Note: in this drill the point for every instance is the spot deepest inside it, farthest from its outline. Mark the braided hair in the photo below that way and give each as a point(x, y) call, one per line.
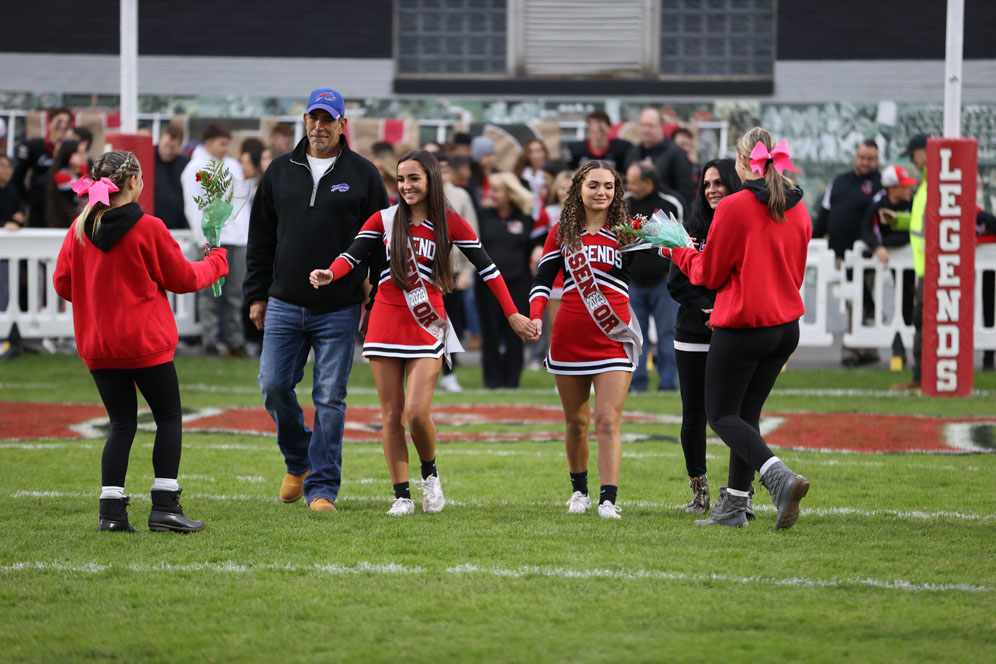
point(572, 216)
point(117, 166)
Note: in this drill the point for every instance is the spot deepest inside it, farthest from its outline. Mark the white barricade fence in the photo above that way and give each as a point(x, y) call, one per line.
point(878, 326)
point(815, 328)
point(27, 258)
point(27, 262)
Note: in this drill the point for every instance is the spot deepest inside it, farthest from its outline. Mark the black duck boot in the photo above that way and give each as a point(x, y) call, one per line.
point(168, 515)
point(114, 515)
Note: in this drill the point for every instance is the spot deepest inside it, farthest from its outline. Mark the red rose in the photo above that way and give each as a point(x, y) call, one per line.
point(198, 176)
point(637, 223)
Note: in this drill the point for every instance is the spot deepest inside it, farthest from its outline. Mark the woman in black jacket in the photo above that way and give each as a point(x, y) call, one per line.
point(692, 331)
point(505, 231)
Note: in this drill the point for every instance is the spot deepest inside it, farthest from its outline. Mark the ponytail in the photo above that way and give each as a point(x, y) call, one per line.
point(776, 183)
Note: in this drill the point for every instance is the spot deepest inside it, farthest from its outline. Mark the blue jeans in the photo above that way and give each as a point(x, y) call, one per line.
point(472, 318)
point(657, 302)
point(289, 333)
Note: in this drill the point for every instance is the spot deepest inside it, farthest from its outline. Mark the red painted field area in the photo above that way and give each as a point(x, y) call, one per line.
point(851, 432)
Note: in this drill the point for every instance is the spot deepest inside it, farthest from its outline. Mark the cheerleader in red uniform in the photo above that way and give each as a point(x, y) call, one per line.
point(408, 333)
point(593, 341)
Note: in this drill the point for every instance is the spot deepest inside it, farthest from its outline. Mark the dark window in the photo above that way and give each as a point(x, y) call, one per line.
point(451, 36)
point(717, 38)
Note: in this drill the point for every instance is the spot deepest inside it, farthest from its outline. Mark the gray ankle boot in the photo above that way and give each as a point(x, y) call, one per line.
point(729, 510)
point(786, 489)
point(700, 495)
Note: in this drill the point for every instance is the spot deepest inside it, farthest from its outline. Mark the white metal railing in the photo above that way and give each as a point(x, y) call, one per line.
point(30, 256)
point(27, 260)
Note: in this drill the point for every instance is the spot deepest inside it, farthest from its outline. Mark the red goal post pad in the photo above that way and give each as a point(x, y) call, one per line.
point(949, 267)
point(141, 145)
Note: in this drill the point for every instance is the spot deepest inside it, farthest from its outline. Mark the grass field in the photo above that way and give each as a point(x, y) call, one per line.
point(891, 560)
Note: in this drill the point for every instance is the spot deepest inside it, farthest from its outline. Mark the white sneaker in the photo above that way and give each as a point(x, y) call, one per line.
point(449, 383)
point(402, 507)
point(578, 503)
point(609, 510)
point(432, 495)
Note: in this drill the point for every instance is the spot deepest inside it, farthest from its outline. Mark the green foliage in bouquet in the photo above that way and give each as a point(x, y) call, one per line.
point(661, 230)
point(216, 204)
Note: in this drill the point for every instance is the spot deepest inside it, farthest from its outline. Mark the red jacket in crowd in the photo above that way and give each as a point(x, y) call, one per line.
point(117, 282)
point(755, 264)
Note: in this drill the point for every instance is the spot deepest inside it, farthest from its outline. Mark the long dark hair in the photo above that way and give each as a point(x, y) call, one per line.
point(698, 223)
point(67, 149)
point(572, 216)
point(401, 234)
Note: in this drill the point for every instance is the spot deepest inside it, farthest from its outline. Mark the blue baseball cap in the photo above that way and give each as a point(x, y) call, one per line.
point(329, 100)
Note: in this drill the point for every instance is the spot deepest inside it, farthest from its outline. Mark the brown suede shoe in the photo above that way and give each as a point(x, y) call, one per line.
point(292, 488)
point(322, 505)
point(908, 386)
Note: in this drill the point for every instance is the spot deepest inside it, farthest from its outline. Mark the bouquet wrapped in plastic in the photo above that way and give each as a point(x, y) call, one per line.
point(661, 230)
point(223, 198)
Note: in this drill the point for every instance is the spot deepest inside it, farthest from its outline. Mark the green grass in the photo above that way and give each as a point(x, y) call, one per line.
point(891, 562)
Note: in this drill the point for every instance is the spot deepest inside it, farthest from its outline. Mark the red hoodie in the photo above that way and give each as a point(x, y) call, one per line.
point(755, 264)
point(117, 283)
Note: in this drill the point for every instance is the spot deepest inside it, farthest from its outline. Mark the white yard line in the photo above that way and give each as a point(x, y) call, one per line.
point(526, 572)
point(920, 515)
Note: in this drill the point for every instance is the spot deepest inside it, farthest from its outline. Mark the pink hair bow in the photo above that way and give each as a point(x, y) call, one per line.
point(779, 157)
point(99, 191)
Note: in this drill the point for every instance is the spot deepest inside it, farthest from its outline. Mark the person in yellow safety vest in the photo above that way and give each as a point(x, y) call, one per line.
point(917, 150)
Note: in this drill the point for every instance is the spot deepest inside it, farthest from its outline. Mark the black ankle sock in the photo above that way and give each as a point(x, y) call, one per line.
point(608, 493)
point(579, 482)
point(401, 490)
point(428, 468)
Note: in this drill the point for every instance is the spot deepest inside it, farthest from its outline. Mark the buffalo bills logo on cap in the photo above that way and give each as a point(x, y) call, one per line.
point(327, 99)
point(340, 187)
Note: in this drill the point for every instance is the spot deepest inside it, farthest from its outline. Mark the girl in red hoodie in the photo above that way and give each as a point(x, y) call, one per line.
point(127, 336)
point(755, 258)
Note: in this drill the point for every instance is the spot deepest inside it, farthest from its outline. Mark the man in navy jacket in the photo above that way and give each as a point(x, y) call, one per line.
point(308, 209)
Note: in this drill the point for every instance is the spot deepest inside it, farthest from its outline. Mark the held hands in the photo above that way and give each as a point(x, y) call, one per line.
point(321, 278)
point(523, 327)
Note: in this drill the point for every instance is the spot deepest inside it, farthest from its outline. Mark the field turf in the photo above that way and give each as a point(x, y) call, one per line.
point(890, 561)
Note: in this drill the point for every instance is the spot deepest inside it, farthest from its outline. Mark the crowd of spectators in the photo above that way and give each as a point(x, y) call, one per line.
point(512, 211)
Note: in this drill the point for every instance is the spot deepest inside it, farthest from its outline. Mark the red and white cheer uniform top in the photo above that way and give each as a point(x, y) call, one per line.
point(392, 330)
point(577, 345)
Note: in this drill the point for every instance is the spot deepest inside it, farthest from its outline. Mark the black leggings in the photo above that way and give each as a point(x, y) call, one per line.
point(741, 369)
point(161, 390)
point(691, 380)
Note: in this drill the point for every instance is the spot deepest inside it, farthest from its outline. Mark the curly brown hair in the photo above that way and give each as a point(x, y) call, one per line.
point(572, 216)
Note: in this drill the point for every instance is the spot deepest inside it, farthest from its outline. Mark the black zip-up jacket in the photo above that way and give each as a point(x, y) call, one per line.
point(296, 227)
point(843, 208)
point(672, 165)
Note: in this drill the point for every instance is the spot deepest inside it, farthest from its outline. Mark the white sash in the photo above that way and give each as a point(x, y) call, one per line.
point(417, 297)
point(629, 335)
